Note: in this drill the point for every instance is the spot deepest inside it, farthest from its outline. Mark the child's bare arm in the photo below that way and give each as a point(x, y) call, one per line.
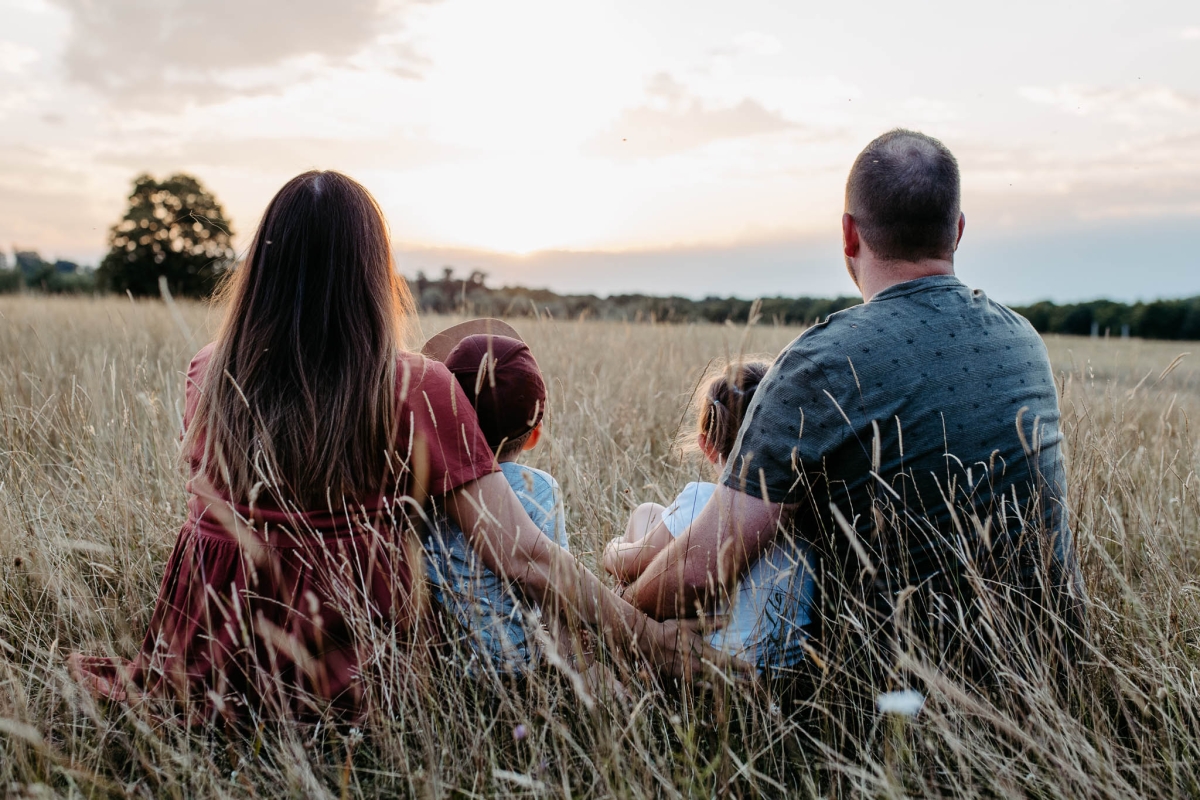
point(625, 560)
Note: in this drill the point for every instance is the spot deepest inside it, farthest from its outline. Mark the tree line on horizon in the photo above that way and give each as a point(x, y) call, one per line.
point(448, 294)
point(176, 229)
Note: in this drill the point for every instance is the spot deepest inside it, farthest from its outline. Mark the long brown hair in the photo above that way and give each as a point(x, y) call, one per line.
point(299, 398)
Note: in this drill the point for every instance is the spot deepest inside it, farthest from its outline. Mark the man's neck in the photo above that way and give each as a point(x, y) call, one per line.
point(876, 276)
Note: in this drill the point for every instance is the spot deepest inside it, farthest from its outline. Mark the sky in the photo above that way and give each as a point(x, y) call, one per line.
point(688, 147)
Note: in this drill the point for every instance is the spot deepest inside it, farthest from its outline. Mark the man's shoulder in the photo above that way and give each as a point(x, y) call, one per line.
point(881, 322)
point(1008, 316)
point(825, 340)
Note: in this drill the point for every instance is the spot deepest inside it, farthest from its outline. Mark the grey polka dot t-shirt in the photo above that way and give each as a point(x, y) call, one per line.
point(919, 434)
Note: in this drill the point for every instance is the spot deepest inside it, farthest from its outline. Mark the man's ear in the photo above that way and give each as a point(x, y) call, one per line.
point(535, 436)
point(962, 223)
point(850, 242)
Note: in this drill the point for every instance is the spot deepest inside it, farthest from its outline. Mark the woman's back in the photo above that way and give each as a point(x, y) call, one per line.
point(299, 393)
point(297, 582)
point(313, 442)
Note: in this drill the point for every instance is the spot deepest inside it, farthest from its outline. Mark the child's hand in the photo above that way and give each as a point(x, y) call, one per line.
point(612, 557)
point(625, 560)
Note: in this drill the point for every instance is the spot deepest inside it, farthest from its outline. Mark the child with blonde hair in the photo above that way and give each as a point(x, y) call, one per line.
point(766, 616)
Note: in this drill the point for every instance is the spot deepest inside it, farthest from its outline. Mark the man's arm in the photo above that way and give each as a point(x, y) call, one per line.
point(706, 560)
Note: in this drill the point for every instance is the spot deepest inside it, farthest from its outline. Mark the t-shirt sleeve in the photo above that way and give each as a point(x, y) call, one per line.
point(439, 437)
point(553, 518)
point(560, 517)
point(791, 425)
point(542, 500)
point(687, 506)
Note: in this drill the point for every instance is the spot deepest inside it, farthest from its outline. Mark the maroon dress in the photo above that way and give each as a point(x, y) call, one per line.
point(264, 607)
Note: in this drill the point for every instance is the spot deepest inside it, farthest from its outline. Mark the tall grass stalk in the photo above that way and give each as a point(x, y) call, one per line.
point(91, 499)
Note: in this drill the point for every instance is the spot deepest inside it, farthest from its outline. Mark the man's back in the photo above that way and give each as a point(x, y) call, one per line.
point(928, 418)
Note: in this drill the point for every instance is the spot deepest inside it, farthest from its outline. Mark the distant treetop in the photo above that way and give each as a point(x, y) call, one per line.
point(470, 295)
point(174, 228)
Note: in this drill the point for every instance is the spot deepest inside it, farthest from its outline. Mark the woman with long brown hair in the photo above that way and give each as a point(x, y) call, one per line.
point(314, 441)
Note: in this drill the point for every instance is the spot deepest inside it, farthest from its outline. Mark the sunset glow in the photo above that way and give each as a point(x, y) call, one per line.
point(528, 126)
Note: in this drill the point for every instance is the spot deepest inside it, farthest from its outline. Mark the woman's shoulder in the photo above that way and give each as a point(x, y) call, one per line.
point(415, 372)
point(433, 407)
point(202, 357)
point(198, 366)
point(197, 369)
point(428, 386)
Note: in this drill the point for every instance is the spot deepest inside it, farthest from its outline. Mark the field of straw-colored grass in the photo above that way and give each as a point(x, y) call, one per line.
point(91, 499)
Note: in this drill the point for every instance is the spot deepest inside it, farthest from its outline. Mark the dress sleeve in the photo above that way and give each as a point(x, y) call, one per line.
point(792, 423)
point(438, 435)
point(193, 385)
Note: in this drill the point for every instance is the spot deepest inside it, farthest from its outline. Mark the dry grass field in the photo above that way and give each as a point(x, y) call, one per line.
point(91, 499)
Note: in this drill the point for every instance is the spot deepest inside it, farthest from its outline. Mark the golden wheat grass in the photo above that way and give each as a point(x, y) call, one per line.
point(91, 499)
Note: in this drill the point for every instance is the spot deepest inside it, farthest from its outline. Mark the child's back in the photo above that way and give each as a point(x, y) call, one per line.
point(765, 619)
point(767, 616)
point(486, 606)
point(505, 385)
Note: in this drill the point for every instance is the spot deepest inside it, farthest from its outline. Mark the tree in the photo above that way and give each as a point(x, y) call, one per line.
point(173, 228)
point(33, 268)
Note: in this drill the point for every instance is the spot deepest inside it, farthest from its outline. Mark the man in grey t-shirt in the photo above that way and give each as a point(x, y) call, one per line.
point(913, 442)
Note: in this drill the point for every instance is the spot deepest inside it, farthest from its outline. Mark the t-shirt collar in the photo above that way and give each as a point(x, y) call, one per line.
point(917, 285)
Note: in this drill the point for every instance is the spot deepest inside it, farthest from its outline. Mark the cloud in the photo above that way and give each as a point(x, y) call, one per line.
point(283, 155)
point(45, 203)
point(14, 102)
point(676, 121)
point(1127, 104)
point(14, 58)
point(928, 111)
point(1192, 33)
point(758, 43)
point(748, 43)
point(181, 51)
point(1032, 188)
